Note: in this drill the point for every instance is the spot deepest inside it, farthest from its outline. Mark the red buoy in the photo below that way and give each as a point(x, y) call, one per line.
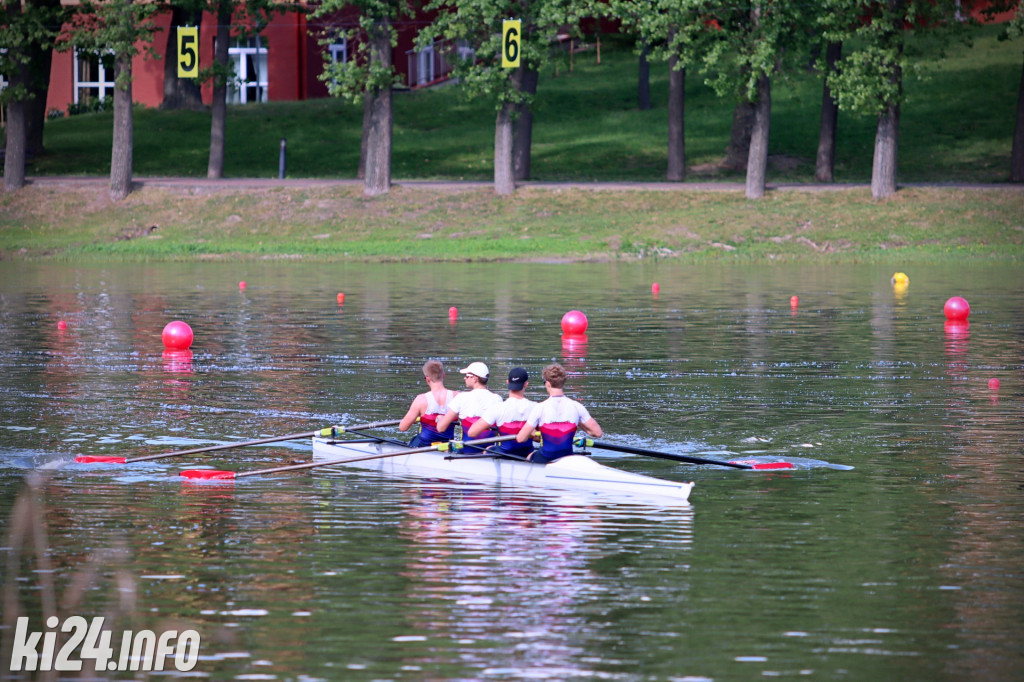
point(453, 313)
point(794, 301)
point(241, 285)
point(62, 325)
point(574, 322)
point(957, 309)
point(177, 336)
point(655, 288)
point(341, 298)
point(993, 383)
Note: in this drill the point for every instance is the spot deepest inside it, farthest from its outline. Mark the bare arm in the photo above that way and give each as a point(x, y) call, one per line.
point(592, 428)
point(444, 422)
point(525, 433)
point(419, 405)
point(478, 427)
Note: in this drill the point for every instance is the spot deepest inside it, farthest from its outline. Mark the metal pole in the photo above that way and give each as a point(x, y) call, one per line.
point(281, 160)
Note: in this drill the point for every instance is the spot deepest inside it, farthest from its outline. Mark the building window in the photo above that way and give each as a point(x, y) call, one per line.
point(339, 51)
point(94, 76)
point(434, 63)
point(249, 58)
point(3, 78)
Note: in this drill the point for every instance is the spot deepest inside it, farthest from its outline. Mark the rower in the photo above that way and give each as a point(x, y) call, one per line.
point(508, 417)
point(558, 417)
point(469, 405)
point(428, 407)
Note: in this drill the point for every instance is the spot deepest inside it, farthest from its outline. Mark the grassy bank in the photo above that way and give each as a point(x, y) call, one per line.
point(956, 125)
point(413, 223)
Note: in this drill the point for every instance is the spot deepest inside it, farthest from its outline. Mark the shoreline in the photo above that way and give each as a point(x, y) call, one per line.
point(72, 218)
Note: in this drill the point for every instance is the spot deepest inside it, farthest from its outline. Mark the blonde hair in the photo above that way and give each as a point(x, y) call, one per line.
point(433, 370)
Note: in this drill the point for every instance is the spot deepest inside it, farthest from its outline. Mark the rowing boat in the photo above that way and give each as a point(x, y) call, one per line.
point(575, 472)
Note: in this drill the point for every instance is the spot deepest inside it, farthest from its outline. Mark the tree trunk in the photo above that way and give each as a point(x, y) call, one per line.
point(643, 81)
point(1017, 153)
point(14, 158)
point(39, 86)
point(180, 93)
point(738, 151)
point(504, 173)
point(676, 121)
point(121, 151)
point(883, 172)
point(19, 75)
point(219, 105)
point(757, 161)
point(825, 164)
point(367, 108)
point(378, 140)
point(522, 139)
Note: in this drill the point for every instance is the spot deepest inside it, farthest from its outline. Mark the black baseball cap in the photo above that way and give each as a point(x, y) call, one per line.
point(517, 379)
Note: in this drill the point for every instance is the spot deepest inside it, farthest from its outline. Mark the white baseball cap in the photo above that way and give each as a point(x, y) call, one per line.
point(477, 368)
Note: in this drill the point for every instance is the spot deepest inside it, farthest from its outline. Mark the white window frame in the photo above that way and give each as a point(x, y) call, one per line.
point(425, 65)
point(3, 78)
point(104, 83)
point(339, 51)
point(255, 48)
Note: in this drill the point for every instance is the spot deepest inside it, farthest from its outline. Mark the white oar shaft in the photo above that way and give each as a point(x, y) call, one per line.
point(327, 432)
point(383, 455)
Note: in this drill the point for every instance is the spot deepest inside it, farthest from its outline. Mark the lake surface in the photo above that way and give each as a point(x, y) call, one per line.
point(908, 566)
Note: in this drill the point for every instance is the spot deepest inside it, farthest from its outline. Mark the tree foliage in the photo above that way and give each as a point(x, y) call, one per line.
point(352, 78)
point(24, 24)
point(478, 23)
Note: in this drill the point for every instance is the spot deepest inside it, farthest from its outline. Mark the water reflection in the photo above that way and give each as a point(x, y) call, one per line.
point(913, 555)
point(513, 574)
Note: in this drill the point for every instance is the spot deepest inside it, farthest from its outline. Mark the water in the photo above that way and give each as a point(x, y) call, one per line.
point(907, 566)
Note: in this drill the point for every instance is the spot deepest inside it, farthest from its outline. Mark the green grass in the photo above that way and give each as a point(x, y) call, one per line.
point(339, 223)
point(956, 126)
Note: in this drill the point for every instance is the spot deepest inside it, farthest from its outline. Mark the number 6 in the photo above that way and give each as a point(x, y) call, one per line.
point(511, 30)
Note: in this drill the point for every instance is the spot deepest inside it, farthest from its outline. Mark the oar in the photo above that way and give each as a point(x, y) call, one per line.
point(679, 458)
point(213, 474)
point(329, 432)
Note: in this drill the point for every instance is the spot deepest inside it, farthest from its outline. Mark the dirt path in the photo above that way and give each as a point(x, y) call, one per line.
point(204, 184)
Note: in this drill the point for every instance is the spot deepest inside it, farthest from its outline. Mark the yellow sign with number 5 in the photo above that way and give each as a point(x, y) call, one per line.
point(511, 40)
point(188, 52)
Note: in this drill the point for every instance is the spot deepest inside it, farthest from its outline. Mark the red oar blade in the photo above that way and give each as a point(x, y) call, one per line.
point(207, 474)
point(100, 459)
point(761, 466)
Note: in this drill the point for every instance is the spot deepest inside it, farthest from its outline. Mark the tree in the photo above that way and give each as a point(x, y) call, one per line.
point(1014, 29)
point(368, 75)
point(120, 27)
point(479, 23)
point(825, 162)
point(250, 18)
point(28, 32)
point(869, 78)
point(672, 31)
point(181, 93)
point(748, 42)
point(219, 73)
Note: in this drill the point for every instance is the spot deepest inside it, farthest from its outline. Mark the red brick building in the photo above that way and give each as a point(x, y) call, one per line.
point(284, 64)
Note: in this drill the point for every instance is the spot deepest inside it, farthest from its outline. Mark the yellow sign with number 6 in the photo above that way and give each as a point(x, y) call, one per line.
point(511, 40)
point(188, 52)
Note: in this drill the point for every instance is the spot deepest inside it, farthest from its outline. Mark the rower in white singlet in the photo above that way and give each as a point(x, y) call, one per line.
point(429, 407)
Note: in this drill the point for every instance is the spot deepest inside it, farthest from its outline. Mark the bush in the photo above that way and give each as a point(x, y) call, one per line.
point(91, 106)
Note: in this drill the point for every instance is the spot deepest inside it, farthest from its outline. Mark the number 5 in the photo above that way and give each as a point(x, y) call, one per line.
point(188, 58)
point(511, 30)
